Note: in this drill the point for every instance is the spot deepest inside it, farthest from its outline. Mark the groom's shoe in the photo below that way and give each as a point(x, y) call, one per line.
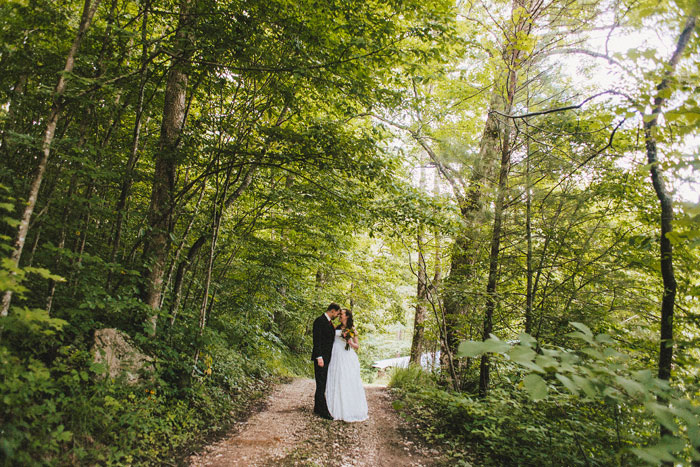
point(327, 416)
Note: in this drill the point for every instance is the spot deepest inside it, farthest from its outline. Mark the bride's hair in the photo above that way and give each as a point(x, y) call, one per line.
point(349, 322)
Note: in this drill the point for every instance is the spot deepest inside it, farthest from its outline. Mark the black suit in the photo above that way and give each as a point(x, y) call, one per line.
point(324, 334)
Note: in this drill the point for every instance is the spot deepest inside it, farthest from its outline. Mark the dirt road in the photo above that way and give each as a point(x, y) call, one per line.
point(287, 433)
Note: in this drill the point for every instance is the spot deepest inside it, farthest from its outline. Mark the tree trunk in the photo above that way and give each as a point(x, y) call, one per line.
point(62, 238)
point(166, 161)
point(417, 343)
point(524, 24)
point(528, 261)
point(278, 317)
point(437, 277)
point(89, 9)
point(216, 223)
point(10, 121)
point(484, 370)
point(180, 247)
point(666, 204)
point(469, 200)
point(528, 234)
point(133, 155)
point(463, 250)
point(199, 243)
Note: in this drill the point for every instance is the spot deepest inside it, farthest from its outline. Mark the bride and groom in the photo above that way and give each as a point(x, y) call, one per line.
point(339, 391)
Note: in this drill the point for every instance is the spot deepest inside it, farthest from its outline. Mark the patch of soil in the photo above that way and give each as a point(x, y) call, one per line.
point(287, 433)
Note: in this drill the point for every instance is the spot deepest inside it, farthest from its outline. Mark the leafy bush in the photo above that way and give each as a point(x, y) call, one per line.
point(506, 428)
point(584, 407)
point(68, 414)
point(598, 373)
point(413, 376)
point(57, 407)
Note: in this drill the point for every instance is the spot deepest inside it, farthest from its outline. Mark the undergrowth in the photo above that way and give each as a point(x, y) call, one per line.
point(59, 408)
point(506, 428)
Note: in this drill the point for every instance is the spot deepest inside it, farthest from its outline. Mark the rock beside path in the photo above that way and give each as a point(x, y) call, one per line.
point(113, 348)
point(287, 433)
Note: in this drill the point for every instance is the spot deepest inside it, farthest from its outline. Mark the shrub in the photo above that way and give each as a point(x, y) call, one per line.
point(507, 428)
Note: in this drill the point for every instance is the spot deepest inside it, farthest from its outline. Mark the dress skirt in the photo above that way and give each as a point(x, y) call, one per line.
point(345, 394)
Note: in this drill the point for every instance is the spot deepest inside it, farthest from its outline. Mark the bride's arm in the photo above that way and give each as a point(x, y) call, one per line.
point(354, 343)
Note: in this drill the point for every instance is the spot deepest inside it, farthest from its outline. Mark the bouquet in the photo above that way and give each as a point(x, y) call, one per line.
point(347, 335)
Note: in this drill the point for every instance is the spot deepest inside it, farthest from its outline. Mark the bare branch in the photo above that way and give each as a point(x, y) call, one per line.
point(558, 109)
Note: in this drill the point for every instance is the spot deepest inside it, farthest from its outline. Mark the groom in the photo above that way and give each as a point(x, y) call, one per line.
point(324, 334)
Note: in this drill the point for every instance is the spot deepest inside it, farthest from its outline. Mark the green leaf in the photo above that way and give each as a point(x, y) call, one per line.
point(533, 366)
point(60, 434)
point(632, 388)
point(535, 386)
point(585, 385)
point(692, 421)
point(527, 340)
point(568, 384)
point(521, 354)
point(582, 336)
point(612, 393)
point(644, 376)
point(604, 339)
point(593, 353)
point(650, 54)
point(653, 455)
point(45, 273)
point(612, 353)
point(695, 454)
point(474, 348)
point(568, 358)
point(666, 92)
point(674, 237)
point(662, 451)
point(546, 362)
point(663, 415)
point(470, 349)
point(10, 221)
point(582, 327)
point(495, 345)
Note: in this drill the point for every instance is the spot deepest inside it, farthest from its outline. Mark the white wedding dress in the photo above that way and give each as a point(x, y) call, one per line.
point(345, 394)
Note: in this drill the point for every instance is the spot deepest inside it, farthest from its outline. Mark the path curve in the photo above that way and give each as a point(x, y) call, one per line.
point(287, 433)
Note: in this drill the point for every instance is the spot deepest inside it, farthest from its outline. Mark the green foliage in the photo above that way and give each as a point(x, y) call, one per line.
point(413, 376)
point(278, 94)
point(28, 423)
point(598, 373)
point(506, 427)
point(57, 406)
point(314, 201)
point(69, 413)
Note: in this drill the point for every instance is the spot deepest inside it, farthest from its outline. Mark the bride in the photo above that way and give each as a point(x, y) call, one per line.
point(345, 394)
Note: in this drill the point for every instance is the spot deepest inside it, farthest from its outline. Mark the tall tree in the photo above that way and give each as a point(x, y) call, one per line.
point(89, 9)
point(156, 244)
point(417, 342)
point(522, 23)
point(666, 205)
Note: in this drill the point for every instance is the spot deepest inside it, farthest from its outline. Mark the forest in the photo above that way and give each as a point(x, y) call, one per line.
point(514, 184)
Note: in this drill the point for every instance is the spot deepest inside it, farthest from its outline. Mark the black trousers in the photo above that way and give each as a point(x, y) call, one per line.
point(321, 375)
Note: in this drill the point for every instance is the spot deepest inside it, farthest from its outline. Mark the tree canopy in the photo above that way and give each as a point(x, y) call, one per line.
point(512, 183)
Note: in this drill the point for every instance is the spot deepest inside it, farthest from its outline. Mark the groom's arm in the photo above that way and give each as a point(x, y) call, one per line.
point(317, 337)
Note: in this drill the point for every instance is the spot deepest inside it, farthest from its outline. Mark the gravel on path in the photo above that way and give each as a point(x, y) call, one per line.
point(287, 433)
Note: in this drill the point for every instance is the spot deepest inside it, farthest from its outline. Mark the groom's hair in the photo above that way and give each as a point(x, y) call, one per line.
point(333, 306)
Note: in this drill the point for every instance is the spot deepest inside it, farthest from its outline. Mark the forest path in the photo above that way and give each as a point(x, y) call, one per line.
point(287, 433)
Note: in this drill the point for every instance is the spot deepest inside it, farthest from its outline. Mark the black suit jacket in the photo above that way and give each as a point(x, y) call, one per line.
point(324, 334)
